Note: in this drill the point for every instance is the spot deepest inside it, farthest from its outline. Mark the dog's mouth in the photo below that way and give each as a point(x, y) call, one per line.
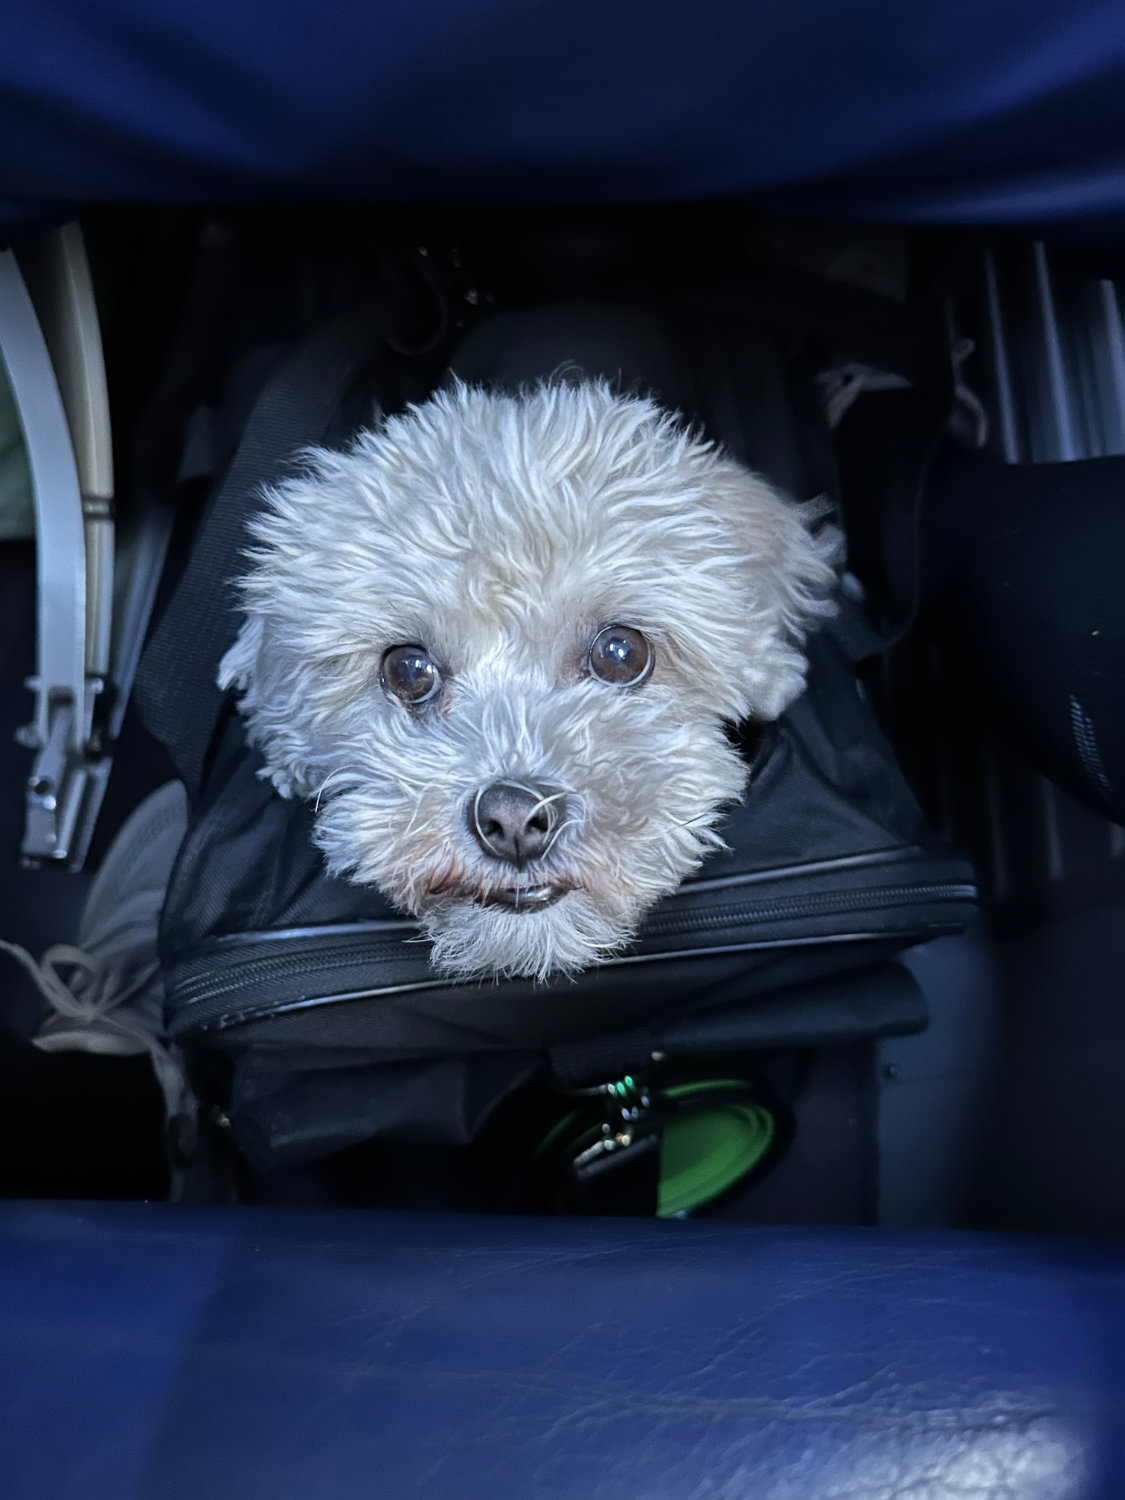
point(522, 898)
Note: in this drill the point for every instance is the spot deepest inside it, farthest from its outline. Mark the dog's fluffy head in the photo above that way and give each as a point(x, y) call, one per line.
point(502, 533)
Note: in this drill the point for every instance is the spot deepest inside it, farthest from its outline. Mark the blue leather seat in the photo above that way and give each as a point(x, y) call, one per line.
point(153, 1353)
point(996, 112)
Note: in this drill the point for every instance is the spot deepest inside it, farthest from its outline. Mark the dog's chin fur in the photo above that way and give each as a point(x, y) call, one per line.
point(502, 533)
point(565, 938)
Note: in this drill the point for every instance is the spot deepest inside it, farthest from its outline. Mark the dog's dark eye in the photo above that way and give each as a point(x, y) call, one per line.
point(621, 655)
point(410, 674)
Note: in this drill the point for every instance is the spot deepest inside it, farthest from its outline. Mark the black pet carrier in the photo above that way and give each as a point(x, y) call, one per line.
point(308, 1006)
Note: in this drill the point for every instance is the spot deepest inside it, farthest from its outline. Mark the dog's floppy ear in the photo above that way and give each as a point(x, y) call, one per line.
point(269, 701)
point(239, 665)
point(789, 560)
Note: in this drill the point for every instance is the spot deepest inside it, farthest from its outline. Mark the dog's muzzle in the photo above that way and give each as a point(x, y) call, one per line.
point(516, 822)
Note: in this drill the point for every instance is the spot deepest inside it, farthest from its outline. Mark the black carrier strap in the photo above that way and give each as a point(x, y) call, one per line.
point(176, 685)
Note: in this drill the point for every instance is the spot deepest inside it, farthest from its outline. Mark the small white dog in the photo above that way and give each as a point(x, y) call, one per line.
point(497, 640)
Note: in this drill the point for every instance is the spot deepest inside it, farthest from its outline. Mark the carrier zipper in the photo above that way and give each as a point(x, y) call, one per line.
point(790, 908)
point(220, 998)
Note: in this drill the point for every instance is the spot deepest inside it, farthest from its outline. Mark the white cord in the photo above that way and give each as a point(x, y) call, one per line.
point(91, 1014)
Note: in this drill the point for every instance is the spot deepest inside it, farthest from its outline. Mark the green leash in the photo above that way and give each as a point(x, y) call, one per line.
point(705, 1153)
point(714, 1133)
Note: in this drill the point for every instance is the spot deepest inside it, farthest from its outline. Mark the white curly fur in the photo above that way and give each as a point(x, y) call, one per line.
point(502, 532)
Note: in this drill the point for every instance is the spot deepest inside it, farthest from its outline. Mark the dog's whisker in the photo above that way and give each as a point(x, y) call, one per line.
point(323, 787)
point(546, 802)
point(554, 838)
point(413, 823)
point(476, 807)
point(532, 791)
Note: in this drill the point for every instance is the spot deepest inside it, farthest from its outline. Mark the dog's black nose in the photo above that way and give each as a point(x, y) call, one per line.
point(514, 821)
